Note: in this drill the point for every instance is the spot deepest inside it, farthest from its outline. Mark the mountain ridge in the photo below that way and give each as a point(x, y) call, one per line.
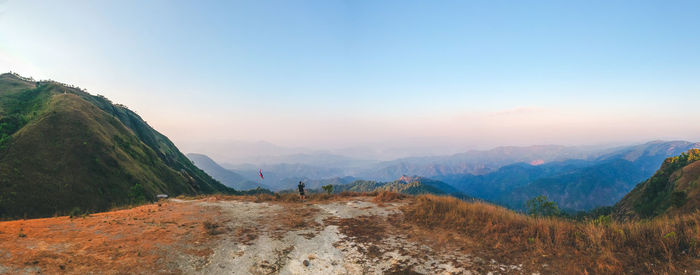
point(225, 176)
point(63, 149)
point(671, 190)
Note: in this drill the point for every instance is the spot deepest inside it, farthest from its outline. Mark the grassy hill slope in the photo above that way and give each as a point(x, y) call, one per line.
point(673, 189)
point(64, 149)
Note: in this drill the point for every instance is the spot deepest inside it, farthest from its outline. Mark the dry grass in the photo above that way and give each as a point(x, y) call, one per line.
point(132, 241)
point(364, 229)
point(297, 217)
point(287, 197)
point(664, 245)
point(246, 235)
point(213, 228)
point(387, 196)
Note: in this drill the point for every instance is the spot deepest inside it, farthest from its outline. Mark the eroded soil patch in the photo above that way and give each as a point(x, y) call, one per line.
point(138, 240)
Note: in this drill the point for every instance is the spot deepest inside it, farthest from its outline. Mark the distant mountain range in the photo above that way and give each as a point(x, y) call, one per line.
point(574, 184)
point(227, 177)
point(577, 178)
point(62, 149)
point(280, 169)
point(476, 162)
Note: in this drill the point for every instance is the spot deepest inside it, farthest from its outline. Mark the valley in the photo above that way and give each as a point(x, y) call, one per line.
point(577, 179)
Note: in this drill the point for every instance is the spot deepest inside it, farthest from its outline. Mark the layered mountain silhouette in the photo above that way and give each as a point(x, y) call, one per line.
point(282, 176)
point(474, 162)
point(227, 177)
point(576, 185)
point(62, 149)
point(577, 178)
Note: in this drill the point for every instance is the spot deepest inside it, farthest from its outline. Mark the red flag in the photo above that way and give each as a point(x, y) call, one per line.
point(261, 175)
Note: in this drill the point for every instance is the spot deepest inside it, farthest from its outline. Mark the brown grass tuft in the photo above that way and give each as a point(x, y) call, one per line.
point(289, 197)
point(388, 196)
point(658, 246)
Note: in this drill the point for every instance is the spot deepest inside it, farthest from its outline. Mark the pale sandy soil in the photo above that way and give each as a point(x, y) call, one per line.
point(348, 236)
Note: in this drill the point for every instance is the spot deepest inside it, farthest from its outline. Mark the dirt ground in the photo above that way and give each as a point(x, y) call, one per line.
point(351, 235)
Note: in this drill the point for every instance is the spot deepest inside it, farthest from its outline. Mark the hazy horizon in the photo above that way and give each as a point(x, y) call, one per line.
point(391, 75)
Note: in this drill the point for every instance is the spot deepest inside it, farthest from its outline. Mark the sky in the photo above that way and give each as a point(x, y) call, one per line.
point(452, 75)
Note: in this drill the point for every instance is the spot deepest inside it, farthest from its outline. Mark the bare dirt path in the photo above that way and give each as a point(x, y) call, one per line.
point(354, 236)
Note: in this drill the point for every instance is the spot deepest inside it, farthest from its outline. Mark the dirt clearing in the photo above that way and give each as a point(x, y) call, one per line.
point(352, 235)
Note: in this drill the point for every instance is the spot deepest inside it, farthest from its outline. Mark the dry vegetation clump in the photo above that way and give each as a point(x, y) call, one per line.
point(213, 228)
point(246, 235)
point(296, 217)
point(658, 246)
point(388, 196)
point(364, 229)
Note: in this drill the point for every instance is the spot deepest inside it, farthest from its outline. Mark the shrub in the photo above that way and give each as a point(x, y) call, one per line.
point(75, 212)
point(137, 194)
point(540, 206)
point(678, 198)
point(603, 220)
point(328, 188)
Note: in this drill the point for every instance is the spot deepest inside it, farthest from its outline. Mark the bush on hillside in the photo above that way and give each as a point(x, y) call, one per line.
point(542, 207)
point(137, 195)
point(328, 188)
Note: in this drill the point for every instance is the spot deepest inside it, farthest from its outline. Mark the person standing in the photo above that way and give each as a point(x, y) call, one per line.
point(301, 191)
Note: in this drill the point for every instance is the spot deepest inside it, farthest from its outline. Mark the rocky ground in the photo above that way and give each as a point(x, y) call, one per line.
point(352, 235)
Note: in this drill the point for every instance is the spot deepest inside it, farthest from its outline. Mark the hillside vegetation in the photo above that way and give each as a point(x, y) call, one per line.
point(671, 190)
point(62, 149)
point(404, 185)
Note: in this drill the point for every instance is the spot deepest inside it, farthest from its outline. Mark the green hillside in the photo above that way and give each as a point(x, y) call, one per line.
point(405, 185)
point(673, 189)
point(62, 148)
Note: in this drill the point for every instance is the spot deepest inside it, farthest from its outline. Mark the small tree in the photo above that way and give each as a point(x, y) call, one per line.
point(541, 206)
point(328, 188)
point(137, 194)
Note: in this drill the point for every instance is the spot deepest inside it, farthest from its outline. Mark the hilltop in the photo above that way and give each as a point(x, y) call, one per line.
point(405, 185)
point(671, 190)
point(349, 233)
point(63, 149)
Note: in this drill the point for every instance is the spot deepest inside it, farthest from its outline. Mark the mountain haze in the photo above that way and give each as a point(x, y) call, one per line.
point(575, 184)
point(227, 177)
point(475, 162)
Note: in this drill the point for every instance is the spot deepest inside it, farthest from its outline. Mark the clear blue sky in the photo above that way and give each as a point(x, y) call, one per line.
point(339, 73)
